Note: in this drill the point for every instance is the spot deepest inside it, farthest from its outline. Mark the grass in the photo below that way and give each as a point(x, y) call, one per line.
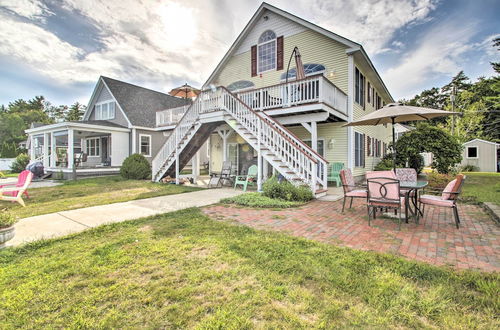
point(184, 270)
point(89, 192)
point(8, 174)
point(482, 187)
point(255, 199)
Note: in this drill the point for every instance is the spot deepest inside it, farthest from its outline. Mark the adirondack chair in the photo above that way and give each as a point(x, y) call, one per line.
point(334, 173)
point(249, 179)
point(15, 192)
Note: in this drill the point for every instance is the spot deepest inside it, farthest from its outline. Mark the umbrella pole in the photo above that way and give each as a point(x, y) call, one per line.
point(393, 146)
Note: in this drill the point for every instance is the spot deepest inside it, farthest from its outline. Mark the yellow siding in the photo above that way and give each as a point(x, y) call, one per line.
point(314, 48)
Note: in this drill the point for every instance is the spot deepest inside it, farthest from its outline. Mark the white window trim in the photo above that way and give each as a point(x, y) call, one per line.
point(324, 146)
point(467, 152)
point(100, 104)
point(275, 54)
point(87, 143)
point(150, 144)
point(363, 150)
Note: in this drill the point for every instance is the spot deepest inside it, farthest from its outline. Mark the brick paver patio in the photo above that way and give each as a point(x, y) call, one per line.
point(476, 245)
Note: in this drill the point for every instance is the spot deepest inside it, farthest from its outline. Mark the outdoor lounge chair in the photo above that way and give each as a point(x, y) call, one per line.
point(217, 179)
point(334, 173)
point(383, 192)
point(447, 199)
point(350, 189)
point(249, 179)
point(16, 191)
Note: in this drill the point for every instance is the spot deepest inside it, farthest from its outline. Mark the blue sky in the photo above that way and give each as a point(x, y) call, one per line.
point(59, 48)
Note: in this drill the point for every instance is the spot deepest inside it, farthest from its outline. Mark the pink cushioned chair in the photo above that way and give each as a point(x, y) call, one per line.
point(350, 189)
point(447, 199)
point(383, 192)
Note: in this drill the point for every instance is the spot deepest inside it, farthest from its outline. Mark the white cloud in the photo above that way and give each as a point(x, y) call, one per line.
point(31, 9)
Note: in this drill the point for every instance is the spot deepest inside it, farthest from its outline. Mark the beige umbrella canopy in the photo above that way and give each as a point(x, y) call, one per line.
point(397, 113)
point(301, 74)
point(185, 91)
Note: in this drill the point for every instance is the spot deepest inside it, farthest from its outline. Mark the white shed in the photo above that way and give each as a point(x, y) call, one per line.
point(482, 154)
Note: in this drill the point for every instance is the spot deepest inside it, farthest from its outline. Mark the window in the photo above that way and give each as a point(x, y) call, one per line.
point(309, 69)
point(472, 152)
point(378, 104)
point(369, 95)
point(360, 88)
point(94, 147)
point(321, 146)
point(105, 110)
point(239, 85)
point(266, 50)
point(145, 145)
point(359, 149)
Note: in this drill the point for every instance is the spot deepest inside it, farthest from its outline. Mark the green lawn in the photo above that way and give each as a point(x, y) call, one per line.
point(482, 187)
point(89, 192)
point(184, 270)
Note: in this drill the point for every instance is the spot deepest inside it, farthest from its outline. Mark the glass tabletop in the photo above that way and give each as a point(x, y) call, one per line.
point(413, 185)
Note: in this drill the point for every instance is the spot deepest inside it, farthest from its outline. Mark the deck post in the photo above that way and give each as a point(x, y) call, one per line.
point(71, 149)
point(177, 182)
point(314, 136)
point(46, 141)
point(32, 148)
point(259, 158)
point(52, 150)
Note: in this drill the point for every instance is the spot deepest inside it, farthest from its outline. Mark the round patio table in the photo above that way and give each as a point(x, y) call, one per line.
point(410, 187)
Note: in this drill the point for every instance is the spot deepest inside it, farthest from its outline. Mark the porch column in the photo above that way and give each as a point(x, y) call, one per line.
point(195, 165)
point(46, 141)
point(265, 169)
point(32, 148)
point(71, 149)
point(52, 150)
point(224, 134)
point(314, 136)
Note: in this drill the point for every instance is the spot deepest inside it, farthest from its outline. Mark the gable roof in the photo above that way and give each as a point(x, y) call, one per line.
point(140, 104)
point(353, 46)
point(484, 141)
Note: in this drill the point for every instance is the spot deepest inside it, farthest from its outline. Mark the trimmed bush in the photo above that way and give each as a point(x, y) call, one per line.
point(7, 219)
point(439, 181)
point(469, 168)
point(19, 165)
point(136, 167)
point(286, 191)
point(385, 164)
point(255, 199)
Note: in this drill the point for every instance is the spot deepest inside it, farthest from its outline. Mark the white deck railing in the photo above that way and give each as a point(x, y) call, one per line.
point(305, 163)
point(313, 89)
point(170, 116)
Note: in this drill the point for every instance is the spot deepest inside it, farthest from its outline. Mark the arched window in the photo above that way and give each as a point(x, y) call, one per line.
point(239, 85)
point(309, 69)
point(266, 50)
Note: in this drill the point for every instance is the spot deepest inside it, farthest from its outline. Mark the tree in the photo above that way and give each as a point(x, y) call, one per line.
point(75, 112)
point(496, 65)
point(446, 150)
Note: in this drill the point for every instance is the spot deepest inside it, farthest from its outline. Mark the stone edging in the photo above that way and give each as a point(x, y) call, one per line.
point(493, 210)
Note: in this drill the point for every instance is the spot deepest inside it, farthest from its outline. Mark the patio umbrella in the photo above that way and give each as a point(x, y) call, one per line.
point(185, 91)
point(397, 113)
point(299, 67)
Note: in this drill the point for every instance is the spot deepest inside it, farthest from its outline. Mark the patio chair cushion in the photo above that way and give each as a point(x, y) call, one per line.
point(388, 203)
point(347, 179)
point(449, 188)
point(356, 193)
point(380, 174)
point(406, 174)
point(436, 200)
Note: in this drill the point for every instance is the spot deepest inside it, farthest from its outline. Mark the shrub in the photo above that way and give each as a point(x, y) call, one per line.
point(136, 167)
point(438, 180)
point(255, 199)
point(7, 219)
point(19, 165)
point(469, 168)
point(285, 190)
point(385, 164)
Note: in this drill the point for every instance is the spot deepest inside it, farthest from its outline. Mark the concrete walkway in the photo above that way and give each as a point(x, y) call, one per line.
point(66, 222)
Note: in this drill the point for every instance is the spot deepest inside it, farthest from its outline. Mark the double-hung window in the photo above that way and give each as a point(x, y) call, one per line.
point(359, 149)
point(93, 147)
point(105, 110)
point(359, 92)
point(145, 145)
point(266, 50)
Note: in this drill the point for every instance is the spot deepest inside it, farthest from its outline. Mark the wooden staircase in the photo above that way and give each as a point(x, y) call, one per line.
point(291, 157)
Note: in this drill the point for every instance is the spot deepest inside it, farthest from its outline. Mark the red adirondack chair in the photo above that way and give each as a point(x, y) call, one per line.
point(15, 191)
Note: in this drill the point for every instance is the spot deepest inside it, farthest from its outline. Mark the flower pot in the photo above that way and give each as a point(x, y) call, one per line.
point(6, 234)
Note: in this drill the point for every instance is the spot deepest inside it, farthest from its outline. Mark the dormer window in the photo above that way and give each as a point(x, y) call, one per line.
point(266, 49)
point(105, 110)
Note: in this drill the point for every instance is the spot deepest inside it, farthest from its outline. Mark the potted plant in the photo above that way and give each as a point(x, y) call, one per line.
point(7, 232)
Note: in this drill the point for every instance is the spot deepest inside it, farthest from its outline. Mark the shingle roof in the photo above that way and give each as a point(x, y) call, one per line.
point(98, 122)
point(140, 104)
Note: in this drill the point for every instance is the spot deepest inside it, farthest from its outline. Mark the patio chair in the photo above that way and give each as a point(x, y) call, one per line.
point(245, 180)
point(406, 175)
point(16, 191)
point(334, 173)
point(350, 189)
point(383, 192)
point(220, 178)
point(448, 198)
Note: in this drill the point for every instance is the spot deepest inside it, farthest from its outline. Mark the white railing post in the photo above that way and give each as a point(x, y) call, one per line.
point(320, 89)
point(259, 156)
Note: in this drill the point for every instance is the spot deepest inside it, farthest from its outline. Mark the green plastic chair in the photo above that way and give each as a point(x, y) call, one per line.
point(334, 173)
point(249, 179)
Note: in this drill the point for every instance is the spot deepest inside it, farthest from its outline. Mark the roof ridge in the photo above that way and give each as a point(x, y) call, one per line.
point(137, 86)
